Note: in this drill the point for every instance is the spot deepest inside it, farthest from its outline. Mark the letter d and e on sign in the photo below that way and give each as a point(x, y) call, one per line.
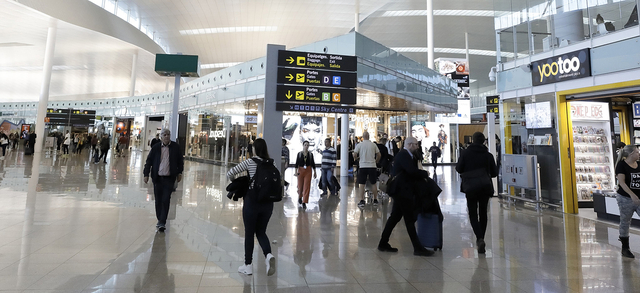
point(337, 80)
point(636, 110)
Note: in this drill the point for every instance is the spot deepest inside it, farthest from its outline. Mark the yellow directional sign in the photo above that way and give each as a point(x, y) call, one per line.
point(290, 60)
point(300, 95)
point(301, 61)
point(289, 77)
point(288, 95)
point(300, 77)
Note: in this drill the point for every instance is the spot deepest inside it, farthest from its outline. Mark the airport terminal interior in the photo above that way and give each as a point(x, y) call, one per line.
point(89, 88)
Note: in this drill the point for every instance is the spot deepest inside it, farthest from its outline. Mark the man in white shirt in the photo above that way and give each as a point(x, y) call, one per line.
point(369, 155)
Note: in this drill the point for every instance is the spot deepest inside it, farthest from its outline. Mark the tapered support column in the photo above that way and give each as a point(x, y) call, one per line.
point(44, 90)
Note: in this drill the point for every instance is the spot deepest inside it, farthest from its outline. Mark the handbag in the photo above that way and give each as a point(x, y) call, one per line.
point(4, 141)
point(476, 181)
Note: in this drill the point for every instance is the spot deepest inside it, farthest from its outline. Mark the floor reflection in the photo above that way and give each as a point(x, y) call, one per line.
point(69, 225)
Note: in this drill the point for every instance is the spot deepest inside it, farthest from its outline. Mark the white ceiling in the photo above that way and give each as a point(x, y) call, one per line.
point(101, 65)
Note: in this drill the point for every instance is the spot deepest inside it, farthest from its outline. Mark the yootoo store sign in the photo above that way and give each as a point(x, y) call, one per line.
point(564, 67)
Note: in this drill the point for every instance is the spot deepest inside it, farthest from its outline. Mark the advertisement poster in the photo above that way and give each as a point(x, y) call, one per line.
point(458, 70)
point(297, 129)
point(429, 132)
point(25, 130)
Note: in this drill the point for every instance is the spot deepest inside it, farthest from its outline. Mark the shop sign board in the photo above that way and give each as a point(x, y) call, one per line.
point(303, 107)
point(317, 61)
point(563, 67)
point(589, 111)
point(316, 94)
point(251, 119)
point(317, 77)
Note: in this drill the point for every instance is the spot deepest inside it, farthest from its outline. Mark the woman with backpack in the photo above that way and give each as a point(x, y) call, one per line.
point(255, 213)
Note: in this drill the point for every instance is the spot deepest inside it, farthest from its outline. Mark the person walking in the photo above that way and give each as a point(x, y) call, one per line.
point(475, 157)
point(165, 165)
point(4, 142)
point(435, 153)
point(66, 143)
point(303, 168)
point(368, 155)
point(255, 214)
point(628, 190)
point(328, 165)
point(94, 143)
point(405, 170)
point(104, 148)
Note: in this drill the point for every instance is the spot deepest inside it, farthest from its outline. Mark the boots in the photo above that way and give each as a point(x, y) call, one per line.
point(625, 247)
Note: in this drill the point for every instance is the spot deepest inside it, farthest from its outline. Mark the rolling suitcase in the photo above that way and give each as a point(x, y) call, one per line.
point(429, 229)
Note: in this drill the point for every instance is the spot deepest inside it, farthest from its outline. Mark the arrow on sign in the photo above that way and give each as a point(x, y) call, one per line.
point(289, 77)
point(290, 59)
point(288, 95)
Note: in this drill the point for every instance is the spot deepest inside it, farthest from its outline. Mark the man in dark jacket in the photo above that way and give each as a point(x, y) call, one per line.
point(405, 166)
point(477, 156)
point(104, 148)
point(165, 164)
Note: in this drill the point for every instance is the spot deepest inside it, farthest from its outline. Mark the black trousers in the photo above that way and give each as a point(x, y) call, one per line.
point(162, 189)
point(477, 207)
point(103, 154)
point(402, 208)
point(65, 149)
point(434, 162)
point(256, 218)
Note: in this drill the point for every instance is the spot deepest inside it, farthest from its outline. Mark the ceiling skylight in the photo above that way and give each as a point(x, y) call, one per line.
point(235, 29)
point(480, 13)
point(218, 65)
point(453, 51)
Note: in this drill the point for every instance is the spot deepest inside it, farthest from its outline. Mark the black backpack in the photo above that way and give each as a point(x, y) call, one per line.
point(266, 184)
point(439, 153)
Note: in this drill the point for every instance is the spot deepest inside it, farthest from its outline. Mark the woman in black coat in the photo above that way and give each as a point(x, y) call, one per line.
point(477, 156)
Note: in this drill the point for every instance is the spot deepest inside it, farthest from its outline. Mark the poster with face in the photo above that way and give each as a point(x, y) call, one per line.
point(428, 133)
point(298, 129)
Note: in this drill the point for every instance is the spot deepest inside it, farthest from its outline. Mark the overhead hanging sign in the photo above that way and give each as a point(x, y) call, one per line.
point(316, 94)
point(317, 61)
point(317, 77)
point(457, 70)
point(563, 67)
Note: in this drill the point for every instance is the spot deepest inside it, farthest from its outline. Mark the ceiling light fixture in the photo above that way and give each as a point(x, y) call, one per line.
point(235, 29)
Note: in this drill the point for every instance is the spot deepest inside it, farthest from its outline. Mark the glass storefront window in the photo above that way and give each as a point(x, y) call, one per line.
point(522, 136)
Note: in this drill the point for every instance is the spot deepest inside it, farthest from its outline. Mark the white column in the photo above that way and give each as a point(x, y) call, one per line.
point(356, 27)
point(408, 124)
point(260, 123)
point(46, 82)
point(466, 45)
point(225, 152)
point(173, 122)
point(344, 147)
point(430, 34)
point(491, 140)
point(134, 68)
point(272, 134)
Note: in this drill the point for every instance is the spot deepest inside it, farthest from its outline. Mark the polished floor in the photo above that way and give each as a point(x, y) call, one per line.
point(67, 225)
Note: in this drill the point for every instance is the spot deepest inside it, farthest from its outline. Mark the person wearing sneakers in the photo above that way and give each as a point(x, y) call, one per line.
point(328, 165)
point(627, 171)
point(255, 214)
point(405, 170)
point(305, 165)
point(369, 155)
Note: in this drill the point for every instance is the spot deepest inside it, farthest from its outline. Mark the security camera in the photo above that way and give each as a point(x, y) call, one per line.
point(492, 73)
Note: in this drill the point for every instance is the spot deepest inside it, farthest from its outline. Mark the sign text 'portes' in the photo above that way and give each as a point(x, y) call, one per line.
point(317, 77)
point(316, 94)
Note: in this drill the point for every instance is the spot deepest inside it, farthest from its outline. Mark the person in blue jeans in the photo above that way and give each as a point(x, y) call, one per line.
point(627, 171)
point(329, 157)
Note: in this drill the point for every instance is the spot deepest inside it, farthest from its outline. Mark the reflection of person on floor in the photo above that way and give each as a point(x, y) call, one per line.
point(327, 206)
point(304, 250)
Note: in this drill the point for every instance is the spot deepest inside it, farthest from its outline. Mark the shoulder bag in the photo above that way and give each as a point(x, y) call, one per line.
point(476, 181)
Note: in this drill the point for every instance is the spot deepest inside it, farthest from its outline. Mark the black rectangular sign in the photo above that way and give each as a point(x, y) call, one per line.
point(317, 61)
point(493, 100)
point(303, 107)
point(317, 77)
point(493, 109)
point(563, 67)
point(316, 94)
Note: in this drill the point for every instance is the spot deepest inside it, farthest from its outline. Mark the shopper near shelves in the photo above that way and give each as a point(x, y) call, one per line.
point(619, 147)
point(627, 171)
